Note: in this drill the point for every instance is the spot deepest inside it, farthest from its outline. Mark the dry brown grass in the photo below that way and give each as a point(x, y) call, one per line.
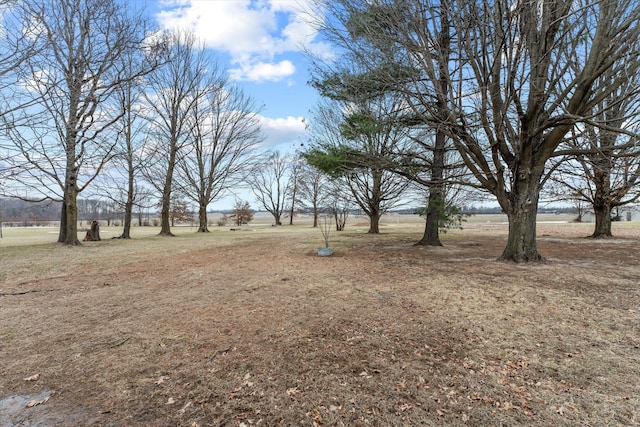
point(252, 328)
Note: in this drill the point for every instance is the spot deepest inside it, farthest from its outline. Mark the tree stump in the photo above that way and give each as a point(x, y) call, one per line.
point(93, 234)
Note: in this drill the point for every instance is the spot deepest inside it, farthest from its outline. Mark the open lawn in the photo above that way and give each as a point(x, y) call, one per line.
point(251, 327)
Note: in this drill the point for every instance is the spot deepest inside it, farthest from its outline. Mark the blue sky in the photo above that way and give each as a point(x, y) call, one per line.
point(261, 44)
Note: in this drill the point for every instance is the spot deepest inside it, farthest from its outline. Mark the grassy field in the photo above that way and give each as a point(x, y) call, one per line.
point(251, 327)
point(15, 236)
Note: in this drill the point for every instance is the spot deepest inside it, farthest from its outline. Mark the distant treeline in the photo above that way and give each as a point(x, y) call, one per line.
point(24, 212)
point(27, 213)
point(489, 210)
point(15, 210)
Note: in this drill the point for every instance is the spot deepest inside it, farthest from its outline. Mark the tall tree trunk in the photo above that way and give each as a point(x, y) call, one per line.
point(128, 206)
point(128, 216)
point(69, 221)
point(315, 213)
point(62, 234)
point(165, 217)
point(431, 236)
point(202, 217)
point(374, 222)
point(436, 202)
point(522, 212)
point(371, 205)
point(165, 214)
point(602, 200)
point(293, 201)
point(71, 217)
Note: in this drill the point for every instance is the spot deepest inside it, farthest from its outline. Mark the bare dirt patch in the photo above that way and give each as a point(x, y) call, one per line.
point(252, 328)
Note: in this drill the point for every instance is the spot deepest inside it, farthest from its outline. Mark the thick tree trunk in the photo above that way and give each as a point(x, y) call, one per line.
point(69, 218)
point(165, 219)
point(521, 243)
point(436, 202)
point(202, 217)
point(374, 222)
point(62, 234)
point(128, 216)
point(72, 219)
point(602, 200)
point(602, 212)
point(431, 235)
point(522, 214)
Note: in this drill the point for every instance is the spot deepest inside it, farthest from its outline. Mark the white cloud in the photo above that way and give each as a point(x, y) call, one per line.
point(263, 71)
point(254, 32)
point(289, 130)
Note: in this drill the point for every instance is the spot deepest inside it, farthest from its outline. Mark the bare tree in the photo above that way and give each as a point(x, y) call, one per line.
point(338, 203)
point(297, 164)
point(521, 76)
point(173, 94)
point(73, 75)
point(179, 211)
point(145, 200)
point(427, 161)
point(242, 213)
point(312, 187)
point(269, 182)
point(224, 133)
point(357, 141)
point(121, 181)
point(603, 166)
